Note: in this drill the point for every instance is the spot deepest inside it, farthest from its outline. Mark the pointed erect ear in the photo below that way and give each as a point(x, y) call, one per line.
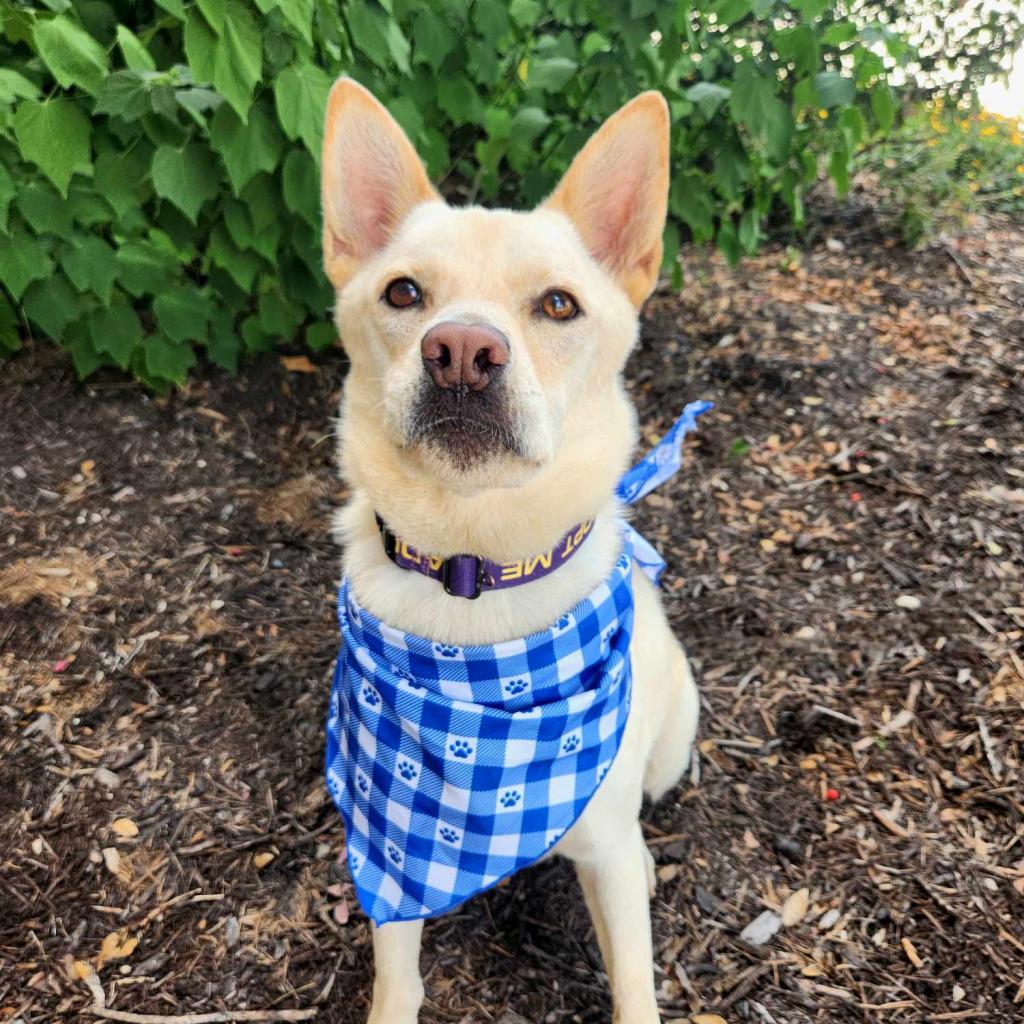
point(616, 193)
point(371, 178)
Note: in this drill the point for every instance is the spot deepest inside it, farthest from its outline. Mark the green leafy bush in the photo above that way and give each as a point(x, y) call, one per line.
point(946, 163)
point(158, 161)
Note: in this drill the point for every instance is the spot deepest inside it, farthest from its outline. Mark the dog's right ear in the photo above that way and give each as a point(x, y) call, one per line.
point(371, 178)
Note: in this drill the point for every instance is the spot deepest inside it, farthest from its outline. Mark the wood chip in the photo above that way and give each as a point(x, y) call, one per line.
point(125, 828)
point(795, 908)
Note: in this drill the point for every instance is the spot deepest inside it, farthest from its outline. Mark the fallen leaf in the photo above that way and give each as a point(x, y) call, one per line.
point(261, 860)
point(912, 956)
point(112, 859)
point(125, 828)
point(795, 907)
point(298, 364)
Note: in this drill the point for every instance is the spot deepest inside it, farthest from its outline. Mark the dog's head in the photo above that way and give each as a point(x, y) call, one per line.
point(483, 342)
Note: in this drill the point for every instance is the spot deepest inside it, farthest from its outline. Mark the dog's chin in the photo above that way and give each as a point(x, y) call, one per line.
point(470, 441)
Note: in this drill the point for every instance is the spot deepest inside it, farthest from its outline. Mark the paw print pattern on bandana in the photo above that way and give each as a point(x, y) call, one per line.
point(514, 687)
point(446, 650)
point(563, 623)
point(406, 677)
point(394, 853)
point(448, 834)
point(362, 782)
point(370, 696)
point(510, 798)
point(571, 743)
point(460, 748)
point(355, 861)
point(407, 769)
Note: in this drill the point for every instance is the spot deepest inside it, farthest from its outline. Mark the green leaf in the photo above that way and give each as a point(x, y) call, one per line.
point(691, 199)
point(839, 169)
point(54, 135)
point(300, 185)
point(200, 42)
point(728, 242)
point(278, 315)
point(840, 32)
point(10, 328)
point(144, 267)
point(300, 93)
point(238, 57)
point(525, 13)
point(136, 56)
point(750, 231)
point(458, 98)
point(834, 90)
point(246, 149)
point(224, 343)
point(15, 86)
point(215, 12)
point(754, 104)
point(175, 7)
point(299, 14)
point(526, 125)
point(23, 259)
point(492, 20)
point(550, 74)
point(708, 96)
point(799, 45)
point(320, 336)
point(78, 342)
point(91, 264)
point(52, 304)
point(883, 106)
point(44, 210)
point(116, 331)
point(122, 179)
point(186, 177)
point(7, 193)
point(168, 359)
point(242, 265)
point(377, 36)
point(183, 313)
point(433, 39)
point(71, 54)
point(124, 94)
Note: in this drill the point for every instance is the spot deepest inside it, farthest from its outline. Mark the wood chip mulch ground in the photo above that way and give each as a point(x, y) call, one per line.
point(846, 554)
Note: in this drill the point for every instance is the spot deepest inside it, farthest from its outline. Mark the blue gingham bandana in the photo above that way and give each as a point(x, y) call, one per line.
point(454, 767)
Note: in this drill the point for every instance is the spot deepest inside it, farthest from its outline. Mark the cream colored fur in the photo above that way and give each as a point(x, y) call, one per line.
point(599, 237)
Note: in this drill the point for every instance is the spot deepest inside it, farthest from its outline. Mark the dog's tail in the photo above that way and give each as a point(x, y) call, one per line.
point(671, 751)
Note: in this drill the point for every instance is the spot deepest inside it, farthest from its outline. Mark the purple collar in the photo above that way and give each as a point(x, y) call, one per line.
point(469, 575)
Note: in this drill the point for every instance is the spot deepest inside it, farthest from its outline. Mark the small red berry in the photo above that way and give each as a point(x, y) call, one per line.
point(856, 496)
point(831, 794)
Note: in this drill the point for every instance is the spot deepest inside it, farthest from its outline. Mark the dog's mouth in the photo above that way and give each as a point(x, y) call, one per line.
point(465, 427)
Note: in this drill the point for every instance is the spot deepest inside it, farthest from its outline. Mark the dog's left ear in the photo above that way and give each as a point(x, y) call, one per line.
point(371, 178)
point(616, 193)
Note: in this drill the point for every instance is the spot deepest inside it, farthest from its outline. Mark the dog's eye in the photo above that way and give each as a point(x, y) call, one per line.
point(402, 293)
point(558, 304)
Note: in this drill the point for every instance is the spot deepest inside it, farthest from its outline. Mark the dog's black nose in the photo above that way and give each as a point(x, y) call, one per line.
point(464, 355)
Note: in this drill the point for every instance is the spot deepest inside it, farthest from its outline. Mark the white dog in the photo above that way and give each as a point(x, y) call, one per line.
point(484, 412)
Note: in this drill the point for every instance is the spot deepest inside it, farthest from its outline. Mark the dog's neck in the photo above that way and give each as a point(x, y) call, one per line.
point(502, 524)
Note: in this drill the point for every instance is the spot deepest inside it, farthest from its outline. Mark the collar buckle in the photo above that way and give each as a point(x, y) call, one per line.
point(457, 581)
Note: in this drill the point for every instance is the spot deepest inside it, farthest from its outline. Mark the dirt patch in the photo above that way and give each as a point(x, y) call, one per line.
point(846, 552)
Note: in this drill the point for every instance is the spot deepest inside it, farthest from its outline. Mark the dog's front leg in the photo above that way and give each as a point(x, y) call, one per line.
point(397, 985)
point(615, 886)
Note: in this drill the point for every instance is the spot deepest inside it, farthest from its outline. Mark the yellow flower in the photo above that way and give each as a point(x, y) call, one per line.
point(1019, 168)
point(988, 131)
point(823, 113)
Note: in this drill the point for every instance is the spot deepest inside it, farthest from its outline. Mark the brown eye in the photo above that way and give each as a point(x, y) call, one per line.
point(402, 293)
point(558, 305)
